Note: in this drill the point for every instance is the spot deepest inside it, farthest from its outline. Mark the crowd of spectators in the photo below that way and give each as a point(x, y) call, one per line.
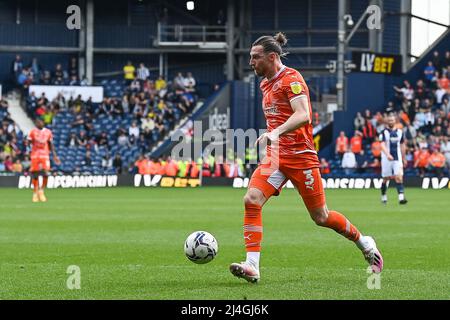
point(202, 167)
point(423, 115)
point(14, 149)
point(24, 74)
point(148, 110)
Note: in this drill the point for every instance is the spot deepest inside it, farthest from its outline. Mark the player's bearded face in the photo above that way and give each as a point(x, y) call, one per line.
point(259, 61)
point(391, 121)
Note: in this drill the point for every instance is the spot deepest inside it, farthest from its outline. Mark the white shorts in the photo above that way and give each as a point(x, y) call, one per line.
point(391, 168)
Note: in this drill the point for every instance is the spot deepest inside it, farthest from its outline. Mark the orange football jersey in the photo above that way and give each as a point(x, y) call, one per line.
point(39, 143)
point(278, 92)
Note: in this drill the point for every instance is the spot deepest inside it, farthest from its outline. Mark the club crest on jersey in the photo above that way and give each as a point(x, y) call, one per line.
point(276, 86)
point(296, 87)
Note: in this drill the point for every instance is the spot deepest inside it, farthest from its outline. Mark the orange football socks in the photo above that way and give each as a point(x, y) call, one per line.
point(342, 225)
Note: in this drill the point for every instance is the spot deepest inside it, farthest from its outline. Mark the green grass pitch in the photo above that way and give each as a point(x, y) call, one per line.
point(128, 244)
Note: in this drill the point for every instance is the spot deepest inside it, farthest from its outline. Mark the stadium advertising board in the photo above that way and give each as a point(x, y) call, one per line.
point(110, 181)
point(377, 63)
point(69, 181)
point(165, 182)
point(51, 92)
point(363, 183)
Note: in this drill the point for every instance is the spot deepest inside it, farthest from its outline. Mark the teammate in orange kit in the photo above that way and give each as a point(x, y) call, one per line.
point(290, 156)
point(41, 140)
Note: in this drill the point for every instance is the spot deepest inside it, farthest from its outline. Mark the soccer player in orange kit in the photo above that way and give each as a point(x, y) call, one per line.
point(41, 140)
point(290, 156)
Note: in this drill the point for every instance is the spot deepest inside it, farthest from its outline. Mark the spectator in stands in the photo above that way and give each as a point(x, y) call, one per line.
point(375, 166)
point(107, 162)
point(87, 159)
point(440, 94)
point(376, 148)
point(73, 68)
point(46, 78)
point(171, 167)
point(409, 155)
point(73, 81)
point(445, 149)
point(116, 108)
point(324, 166)
point(122, 139)
point(16, 67)
point(26, 163)
point(160, 83)
point(103, 107)
point(78, 122)
point(76, 106)
point(178, 82)
point(406, 91)
point(361, 162)
point(421, 160)
point(437, 60)
point(446, 62)
point(143, 73)
point(429, 72)
point(356, 143)
point(419, 119)
point(24, 79)
point(72, 140)
point(102, 139)
point(348, 162)
point(410, 135)
point(82, 139)
point(434, 81)
point(403, 119)
point(160, 166)
point(378, 122)
point(139, 110)
point(189, 82)
point(135, 86)
point(128, 73)
point(368, 132)
point(60, 102)
point(148, 87)
point(125, 104)
point(421, 91)
point(8, 163)
point(133, 130)
point(36, 69)
point(341, 144)
point(47, 117)
point(58, 75)
point(444, 82)
point(141, 165)
point(436, 163)
point(359, 121)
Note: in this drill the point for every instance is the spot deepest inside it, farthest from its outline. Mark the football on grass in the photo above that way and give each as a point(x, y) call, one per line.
point(200, 247)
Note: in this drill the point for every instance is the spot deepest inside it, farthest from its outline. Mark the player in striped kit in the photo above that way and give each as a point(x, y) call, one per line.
point(393, 158)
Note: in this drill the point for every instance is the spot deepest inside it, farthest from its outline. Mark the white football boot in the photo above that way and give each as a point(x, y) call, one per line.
point(246, 271)
point(373, 256)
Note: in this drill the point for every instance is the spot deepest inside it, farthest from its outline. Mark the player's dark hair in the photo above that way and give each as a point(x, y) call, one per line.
point(272, 44)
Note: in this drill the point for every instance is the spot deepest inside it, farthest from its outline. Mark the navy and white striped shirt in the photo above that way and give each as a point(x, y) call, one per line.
point(143, 73)
point(392, 139)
